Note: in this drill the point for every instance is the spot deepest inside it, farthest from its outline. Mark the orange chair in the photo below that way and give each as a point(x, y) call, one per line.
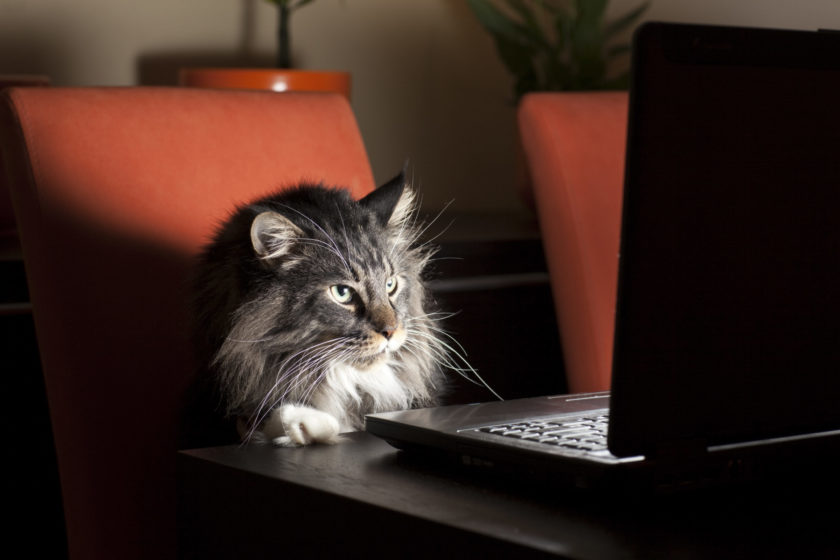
point(115, 190)
point(8, 227)
point(574, 146)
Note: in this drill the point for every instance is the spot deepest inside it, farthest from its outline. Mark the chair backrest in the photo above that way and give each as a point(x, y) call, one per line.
point(115, 190)
point(574, 146)
point(8, 227)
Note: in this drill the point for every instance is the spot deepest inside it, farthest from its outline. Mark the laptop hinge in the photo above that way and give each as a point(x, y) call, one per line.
point(681, 464)
point(681, 451)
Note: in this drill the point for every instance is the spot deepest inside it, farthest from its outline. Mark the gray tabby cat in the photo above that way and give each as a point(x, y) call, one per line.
point(312, 313)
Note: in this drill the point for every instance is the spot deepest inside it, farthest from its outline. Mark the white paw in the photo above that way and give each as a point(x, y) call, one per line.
point(291, 426)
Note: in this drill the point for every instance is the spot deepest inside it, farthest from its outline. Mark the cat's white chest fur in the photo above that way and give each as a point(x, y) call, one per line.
point(344, 387)
point(377, 388)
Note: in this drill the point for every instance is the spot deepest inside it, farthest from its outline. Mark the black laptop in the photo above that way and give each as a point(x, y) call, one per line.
point(727, 334)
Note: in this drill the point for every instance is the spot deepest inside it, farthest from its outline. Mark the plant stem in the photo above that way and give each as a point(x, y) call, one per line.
point(283, 56)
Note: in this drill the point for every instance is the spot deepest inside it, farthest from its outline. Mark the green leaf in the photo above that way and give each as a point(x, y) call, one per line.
point(515, 56)
point(589, 63)
point(554, 6)
point(586, 29)
point(618, 25)
point(557, 74)
point(519, 61)
point(562, 29)
point(493, 20)
point(530, 24)
point(590, 12)
point(555, 44)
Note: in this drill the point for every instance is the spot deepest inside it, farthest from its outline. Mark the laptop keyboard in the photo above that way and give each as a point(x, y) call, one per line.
point(582, 434)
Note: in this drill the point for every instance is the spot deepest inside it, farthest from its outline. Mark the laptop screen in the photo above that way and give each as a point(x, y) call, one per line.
point(728, 318)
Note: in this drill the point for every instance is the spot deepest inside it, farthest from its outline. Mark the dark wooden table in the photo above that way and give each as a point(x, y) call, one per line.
point(362, 498)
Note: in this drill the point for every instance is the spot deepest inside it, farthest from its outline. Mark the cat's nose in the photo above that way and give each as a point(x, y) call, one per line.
point(388, 332)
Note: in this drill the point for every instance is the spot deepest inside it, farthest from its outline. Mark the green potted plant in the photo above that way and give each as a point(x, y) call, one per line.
point(281, 78)
point(554, 45)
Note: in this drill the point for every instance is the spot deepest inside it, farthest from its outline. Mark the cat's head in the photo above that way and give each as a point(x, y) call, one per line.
point(339, 275)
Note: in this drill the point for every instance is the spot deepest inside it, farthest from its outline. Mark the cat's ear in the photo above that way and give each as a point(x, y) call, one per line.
point(272, 235)
point(392, 203)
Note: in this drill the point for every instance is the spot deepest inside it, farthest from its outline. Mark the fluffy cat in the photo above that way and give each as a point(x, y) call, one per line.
point(312, 313)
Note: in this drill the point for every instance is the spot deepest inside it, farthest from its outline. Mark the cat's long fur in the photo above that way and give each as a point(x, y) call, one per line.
point(293, 363)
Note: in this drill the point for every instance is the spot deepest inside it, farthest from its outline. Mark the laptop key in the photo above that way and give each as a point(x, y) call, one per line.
point(580, 435)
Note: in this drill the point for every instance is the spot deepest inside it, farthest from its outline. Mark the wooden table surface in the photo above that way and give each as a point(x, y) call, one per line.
point(362, 498)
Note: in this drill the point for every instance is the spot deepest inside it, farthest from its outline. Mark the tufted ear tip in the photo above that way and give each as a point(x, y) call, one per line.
point(393, 202)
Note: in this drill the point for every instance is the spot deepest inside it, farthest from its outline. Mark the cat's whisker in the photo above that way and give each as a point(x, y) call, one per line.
point(436, 259)
point(431, 240)
point(442, 347)
point(316, 369)
point(427, 225)
point(315, 384)
point(451, 351)
point(416, 351)
point(293, 366)
point(337, 354)
point(343, 225)
point(323, 244)
point(416, 229)
point(303, 365)
point(297, 357)
point(433, 316)
point(443, 332)
point(327, 235)
point(248, 341)
point(436, 354)
point(310, 368)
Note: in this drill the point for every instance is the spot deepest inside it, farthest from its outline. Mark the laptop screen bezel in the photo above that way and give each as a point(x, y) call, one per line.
point(659, 398)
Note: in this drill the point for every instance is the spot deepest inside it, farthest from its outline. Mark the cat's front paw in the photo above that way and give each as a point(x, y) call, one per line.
point(302, 425)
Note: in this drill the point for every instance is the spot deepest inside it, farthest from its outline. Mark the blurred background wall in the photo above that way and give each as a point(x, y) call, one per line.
point(427, 84)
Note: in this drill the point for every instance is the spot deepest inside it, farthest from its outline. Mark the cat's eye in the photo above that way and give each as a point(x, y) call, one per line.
point(391, 285)
point(341, 293)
